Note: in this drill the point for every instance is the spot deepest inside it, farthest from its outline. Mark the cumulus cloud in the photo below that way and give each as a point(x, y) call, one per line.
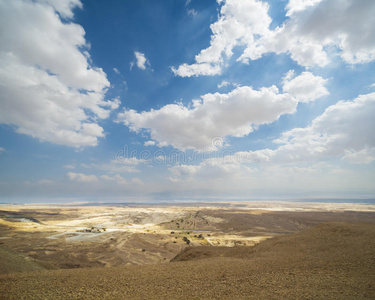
point(80, 177)
point(205, 69)
point(238, 23)
point(116, 178)
point(306, 87)
point(344, 131)
point(209, 170)
point(219, 115)
point(104, 180)
point(306, 158)
point(149, 143)
point(48, 88)
point(64, 8)
point(299, 5)
point(119, 165)
point(140, 60)
point(364, 156)
point(215, 115)
point(224, 83)
point(222, 177)
point(313, 28)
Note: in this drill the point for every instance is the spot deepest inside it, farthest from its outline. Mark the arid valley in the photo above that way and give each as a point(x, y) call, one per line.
point(216, 149)
point(41, 242)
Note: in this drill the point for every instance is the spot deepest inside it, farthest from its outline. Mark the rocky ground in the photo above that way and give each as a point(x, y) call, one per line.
point(188, 252)
point(330, 261)
point(53, 237)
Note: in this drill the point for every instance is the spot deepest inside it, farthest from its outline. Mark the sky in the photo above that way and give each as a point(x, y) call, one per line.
point(186, 100)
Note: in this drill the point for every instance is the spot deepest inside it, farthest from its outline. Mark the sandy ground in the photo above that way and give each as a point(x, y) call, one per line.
point(328, 261)
point(59, 237)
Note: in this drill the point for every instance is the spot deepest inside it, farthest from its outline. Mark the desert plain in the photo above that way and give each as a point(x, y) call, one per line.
point(215, 250)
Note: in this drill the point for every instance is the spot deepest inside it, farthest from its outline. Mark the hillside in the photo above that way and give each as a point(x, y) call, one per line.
point(329, 261)
point(12, 261)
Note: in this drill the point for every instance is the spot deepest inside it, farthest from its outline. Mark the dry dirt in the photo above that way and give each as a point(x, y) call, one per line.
point(301, 256)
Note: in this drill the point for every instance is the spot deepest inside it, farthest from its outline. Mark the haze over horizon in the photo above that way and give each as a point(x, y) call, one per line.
point(227, 99)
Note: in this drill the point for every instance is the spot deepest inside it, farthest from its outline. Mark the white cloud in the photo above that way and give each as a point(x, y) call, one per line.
point(238, 22)
point(2, 150)
point(116, 70)
point(192, 12)
point(141, 60)
point(209, 170)
point(69, 166)
point(344, 130)
point(291, 180)
point(186, 70)
point(224, 83)
point(160, 158)
point(137, 181)
point(45, 182)
point(306, 87)
point(116, 178)
point(299, 5)
point(219, 115)
point(149, 143)
point(104, 180)
point(80, 177)
point(119, 165)
point(364, 156)
point(64, 8)
point(215, 115)
point(313, 28)
point(307, 159)
point(48, 88)
point(345, 126)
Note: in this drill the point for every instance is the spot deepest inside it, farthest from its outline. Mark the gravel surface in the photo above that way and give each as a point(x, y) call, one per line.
point(330, 261)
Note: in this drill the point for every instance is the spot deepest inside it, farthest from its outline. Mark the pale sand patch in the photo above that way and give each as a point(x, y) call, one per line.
point(233, 240)
point(133, 234)
point(214, 219)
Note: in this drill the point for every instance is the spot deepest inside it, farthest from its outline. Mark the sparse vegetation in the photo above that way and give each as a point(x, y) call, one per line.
point(71, 249)
point(329, 261)
point(93, 230)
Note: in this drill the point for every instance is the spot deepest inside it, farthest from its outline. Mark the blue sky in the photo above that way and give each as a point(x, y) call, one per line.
point(164, 100)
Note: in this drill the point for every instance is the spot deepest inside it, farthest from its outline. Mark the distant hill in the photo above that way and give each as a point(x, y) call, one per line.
point(329, 261)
